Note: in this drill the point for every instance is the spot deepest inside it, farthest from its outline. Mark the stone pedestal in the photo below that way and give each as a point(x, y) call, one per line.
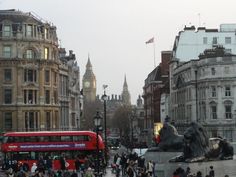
point(165, 169)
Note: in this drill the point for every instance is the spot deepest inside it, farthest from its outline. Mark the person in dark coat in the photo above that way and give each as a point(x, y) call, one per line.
point(63, 162)
point(199, 174)
point(212, 172)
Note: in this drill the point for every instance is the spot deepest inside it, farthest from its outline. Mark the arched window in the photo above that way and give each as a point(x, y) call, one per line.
point(30, 54)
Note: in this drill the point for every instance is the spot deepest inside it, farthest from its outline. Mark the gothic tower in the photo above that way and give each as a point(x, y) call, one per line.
point(89, 83)
point(125, 94)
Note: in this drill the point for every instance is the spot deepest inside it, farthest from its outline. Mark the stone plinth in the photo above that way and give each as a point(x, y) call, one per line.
point(165, 169)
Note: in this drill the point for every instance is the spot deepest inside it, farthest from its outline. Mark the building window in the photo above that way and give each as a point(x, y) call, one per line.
point(227, 40)
point(228, 113)
point(226, 70)
point(73, 119)
point(55, 97)
point(47, 97)
point(7, 51)
point(30, 54)
point(7, 75)
point(213, 112)
point(72, 103)
point(47, 76)
point(30, 96)
point(31, 121)
point(228, 134)
point(8, 120)
point(55, 78)
point(228, 51)
point(213, 71)
point(48, 120)
point(213, 91)
point(214, 133)
point(204, 40)
point(30, 75)
point(46, 53)
point(29, 31)
point(227, 91)
point(46, 33)
point(214, 40)
point(141, 114)
point(7, 96)
point(6, 31)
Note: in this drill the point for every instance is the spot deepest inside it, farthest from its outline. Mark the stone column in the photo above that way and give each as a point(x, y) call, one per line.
point(41, 85)
point(18, 81)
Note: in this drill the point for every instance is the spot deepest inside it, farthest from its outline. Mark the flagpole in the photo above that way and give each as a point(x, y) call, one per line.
point(154, 53)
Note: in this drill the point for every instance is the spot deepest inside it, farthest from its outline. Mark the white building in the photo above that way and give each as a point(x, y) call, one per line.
point(204, 90)
point(191, 42)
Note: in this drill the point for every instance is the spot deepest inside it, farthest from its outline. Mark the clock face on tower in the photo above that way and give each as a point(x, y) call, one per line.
point(87, 84)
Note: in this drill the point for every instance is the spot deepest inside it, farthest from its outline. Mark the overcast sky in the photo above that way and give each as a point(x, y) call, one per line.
point(114, 32)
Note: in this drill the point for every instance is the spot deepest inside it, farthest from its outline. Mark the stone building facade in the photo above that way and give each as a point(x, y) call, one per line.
point(156, 84)
point(203, 90)
point(69, 91)
point(199, 67)
point(29, 72)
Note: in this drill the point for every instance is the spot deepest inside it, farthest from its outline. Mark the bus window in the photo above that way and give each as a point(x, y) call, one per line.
point(11, 139)
point(19, 139)
point(81, 138)
point(32, 139)
point(66, 138)
point(55, 138)
point(5, 139)
point(27, 139)
point(44, 138)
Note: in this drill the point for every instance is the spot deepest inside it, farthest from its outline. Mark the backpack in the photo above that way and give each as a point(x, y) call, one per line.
point(130, 172)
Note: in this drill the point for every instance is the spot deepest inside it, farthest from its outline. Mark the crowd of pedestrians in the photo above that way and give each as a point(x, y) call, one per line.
point(180, 172)
point(44, 167)
point(131, 165)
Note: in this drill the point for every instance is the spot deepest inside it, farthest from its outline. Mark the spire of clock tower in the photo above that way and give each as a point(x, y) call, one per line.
point(89, 83)
point(89, 65)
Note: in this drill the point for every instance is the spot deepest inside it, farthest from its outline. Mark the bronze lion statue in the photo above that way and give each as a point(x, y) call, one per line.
point(169, 139)
point(198, 146)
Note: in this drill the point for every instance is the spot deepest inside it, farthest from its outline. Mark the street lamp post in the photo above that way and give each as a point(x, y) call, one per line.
point(104, 97)
point(97, 123)
point(132, 131)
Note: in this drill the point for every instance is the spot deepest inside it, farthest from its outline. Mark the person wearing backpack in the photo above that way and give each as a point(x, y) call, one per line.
point(130, 169)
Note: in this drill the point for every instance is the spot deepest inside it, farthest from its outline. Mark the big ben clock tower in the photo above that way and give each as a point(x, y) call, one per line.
point(89, 83)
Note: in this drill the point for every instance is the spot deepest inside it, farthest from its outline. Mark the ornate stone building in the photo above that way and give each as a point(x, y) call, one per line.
point(89, 83)
point(203, 90)
point(202, 79)
point(29, 73)
point(69, 91)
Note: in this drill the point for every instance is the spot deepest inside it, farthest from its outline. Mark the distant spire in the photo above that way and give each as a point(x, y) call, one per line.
point(89, 65)
point(125, 82)
point(125, 93)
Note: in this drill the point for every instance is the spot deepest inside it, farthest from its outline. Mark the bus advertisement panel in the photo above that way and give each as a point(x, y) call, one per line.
point(29, 147)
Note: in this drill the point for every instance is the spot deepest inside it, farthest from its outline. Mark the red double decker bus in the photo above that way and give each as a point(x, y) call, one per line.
point(28, 147)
